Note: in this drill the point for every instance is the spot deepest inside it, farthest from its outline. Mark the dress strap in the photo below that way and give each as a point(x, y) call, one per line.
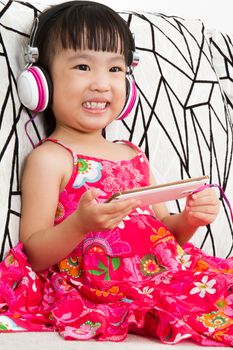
point(74, 155)
point(75, 159)
point(130, 144)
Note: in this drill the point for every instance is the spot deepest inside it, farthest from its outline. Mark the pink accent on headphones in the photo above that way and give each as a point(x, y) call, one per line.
point(131, 98)
point(42, 100)
point(33, 89)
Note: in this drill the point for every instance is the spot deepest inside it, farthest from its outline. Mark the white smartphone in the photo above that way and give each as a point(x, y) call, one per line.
point(162, 193)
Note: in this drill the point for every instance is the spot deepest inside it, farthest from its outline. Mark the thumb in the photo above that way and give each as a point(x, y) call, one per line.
point(90, 195)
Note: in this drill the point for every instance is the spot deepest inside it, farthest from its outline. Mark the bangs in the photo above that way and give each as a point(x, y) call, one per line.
point(93, 33)
point(88, 27)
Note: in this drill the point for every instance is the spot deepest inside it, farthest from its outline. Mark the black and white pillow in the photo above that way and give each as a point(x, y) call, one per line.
point(222, 53)
point(180, 121)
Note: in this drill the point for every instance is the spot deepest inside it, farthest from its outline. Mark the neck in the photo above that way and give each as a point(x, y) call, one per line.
point(73, 137)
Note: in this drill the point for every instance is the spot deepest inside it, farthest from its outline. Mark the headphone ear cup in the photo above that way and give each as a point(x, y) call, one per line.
point(35, 88)
point(131, 98)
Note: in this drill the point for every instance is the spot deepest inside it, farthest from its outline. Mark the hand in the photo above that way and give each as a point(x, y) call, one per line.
point(92, 216)
point(201, 208)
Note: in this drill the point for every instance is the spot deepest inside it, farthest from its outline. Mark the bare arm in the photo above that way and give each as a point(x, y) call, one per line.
point(44, 243)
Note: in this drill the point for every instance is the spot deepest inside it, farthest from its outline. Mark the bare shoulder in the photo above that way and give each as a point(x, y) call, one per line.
point(47, 159)
point(48, 154)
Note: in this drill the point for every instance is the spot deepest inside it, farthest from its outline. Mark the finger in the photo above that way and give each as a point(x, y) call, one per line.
point(205, 209)
point(90, 195)
point(209, 192)
point(202, 218)
point(204, 200)
point(121, 206)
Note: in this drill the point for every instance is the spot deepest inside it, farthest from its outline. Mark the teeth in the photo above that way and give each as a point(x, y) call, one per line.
point(95, 105)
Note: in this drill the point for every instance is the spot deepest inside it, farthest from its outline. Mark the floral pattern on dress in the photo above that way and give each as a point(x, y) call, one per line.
point(149, 265)
point(60, 212)
point(106, 243)
point(88, 171)
point(120, 178)
point(7, 324)
point(72, 265)
point(215, 320)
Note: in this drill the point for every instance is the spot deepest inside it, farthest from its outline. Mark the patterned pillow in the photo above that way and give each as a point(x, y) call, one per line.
point(221, 46)
point(180, 120)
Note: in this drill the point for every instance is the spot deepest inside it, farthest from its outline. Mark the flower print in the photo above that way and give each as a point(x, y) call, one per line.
point(60, 284)
point(164, 278)
point(11, 261)
point(106, 243)
point(7, 324)
point(146, 291)
point(184, 260)
point(89, 327)
point(47, 299)
point(167, 258)
point(204, 287)
point(215, 320)
point(161, 235)
point(33, 277)
point(86, 330)
point(180, 337)
point(142, 211)
point(106, 268)
point(122, 224)
point(114, 290)
point(140, 220)
point(222, 335)
point(60, 212)
point(201, 265)
point(226, 305)
point(72, 265)
point(88, 171)
point(120, 177)
point(149, 265)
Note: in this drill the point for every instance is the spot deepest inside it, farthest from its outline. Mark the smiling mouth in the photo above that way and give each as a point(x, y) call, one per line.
point(95, 105)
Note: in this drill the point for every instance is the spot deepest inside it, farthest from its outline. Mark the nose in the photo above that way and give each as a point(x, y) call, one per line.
point(100, 82)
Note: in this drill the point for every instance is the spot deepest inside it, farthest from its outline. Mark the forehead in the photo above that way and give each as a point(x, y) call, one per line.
point(87, 55)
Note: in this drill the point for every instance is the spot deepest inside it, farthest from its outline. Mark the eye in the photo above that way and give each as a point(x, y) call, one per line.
point(83, 67)
point(116, 69)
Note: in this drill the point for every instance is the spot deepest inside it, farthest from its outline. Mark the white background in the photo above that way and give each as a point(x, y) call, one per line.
point(216, 14)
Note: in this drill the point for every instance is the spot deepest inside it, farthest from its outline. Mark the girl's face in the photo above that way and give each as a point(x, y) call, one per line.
point(89, 88)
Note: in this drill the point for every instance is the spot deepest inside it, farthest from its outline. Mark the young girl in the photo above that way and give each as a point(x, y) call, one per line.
point(97, 269)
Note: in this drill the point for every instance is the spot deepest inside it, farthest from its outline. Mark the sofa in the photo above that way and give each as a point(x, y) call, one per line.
point(183, 120)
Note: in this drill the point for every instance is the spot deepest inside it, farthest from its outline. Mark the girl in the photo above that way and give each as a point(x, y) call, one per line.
point(97, 269)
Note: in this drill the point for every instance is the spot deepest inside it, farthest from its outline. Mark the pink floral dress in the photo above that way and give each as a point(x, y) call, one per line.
point(134, 278)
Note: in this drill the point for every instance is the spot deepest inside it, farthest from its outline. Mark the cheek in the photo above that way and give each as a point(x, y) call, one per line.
point(63, 91)
point(121, 92)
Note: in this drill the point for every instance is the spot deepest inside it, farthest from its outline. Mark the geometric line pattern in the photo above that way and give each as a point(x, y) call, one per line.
point(221, 46)
point(181, 120)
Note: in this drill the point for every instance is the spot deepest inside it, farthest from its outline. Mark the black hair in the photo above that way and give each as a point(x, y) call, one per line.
point(80, 25)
